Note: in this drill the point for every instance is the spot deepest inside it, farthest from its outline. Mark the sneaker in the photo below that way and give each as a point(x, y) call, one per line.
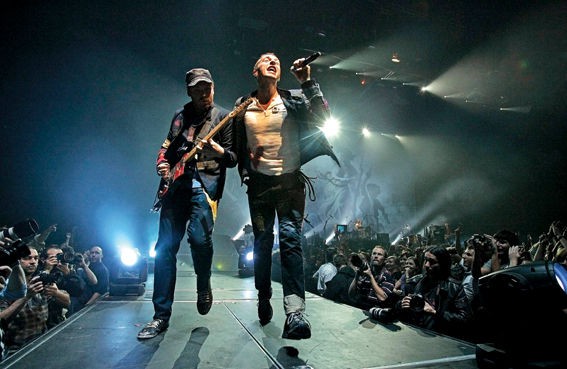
point(265, 311)
point(204, 301)
point(296, 327)
point(153, 328)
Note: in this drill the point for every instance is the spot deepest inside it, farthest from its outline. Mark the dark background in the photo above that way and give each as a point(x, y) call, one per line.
point(88, 89)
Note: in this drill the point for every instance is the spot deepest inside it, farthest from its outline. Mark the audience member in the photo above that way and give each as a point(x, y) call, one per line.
point(325, 272)
point(406, 283)
point(12, 287)
point(51, 265)
point(31, 311)
point(503, 240)
point(337, 288)
point(439, 302)
point(373, 284)
point(392, 264)
point(94, 291)
point(76, 277)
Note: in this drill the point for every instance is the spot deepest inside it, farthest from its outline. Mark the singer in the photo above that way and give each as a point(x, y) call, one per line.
point(275, 136)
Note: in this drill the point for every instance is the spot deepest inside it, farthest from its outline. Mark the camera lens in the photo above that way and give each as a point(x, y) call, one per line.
point(357, 261)
point(23, 229)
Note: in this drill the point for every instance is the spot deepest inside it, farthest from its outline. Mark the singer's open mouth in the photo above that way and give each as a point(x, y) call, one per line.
point(272, 69)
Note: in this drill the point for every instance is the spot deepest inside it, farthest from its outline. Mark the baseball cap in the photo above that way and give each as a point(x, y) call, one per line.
point(197, 75)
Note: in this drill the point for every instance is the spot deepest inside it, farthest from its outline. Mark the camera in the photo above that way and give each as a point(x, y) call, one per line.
point(48, 278)
point(11, 253)
point(69, 256)
point(21, 229)
point(357, 261)
point(417, 303)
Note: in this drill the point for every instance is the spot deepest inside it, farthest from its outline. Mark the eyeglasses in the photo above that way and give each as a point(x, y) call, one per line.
point(95, 252)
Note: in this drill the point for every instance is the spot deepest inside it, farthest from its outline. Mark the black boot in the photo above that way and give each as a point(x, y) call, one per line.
point(204, 296)
point(265, 311)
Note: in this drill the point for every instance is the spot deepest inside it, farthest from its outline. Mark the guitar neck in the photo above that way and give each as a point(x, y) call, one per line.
point(188, 156)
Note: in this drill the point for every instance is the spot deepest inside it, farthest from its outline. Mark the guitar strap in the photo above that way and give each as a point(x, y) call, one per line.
point(202, 133)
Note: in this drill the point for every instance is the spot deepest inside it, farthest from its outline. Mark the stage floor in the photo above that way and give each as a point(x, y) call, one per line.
point(230, 336)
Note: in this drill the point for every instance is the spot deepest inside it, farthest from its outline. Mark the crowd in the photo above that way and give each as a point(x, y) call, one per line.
point(417, 280)
point(438, 284)
point(43, 284)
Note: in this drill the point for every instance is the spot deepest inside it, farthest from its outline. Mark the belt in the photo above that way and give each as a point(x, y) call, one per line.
point(208, 164)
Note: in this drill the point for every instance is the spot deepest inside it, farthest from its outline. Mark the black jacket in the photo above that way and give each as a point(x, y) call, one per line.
point(451, 303)
point(213, 174)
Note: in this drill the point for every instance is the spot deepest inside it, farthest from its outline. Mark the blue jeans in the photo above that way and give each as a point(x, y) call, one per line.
point(184, 205)
point(285, 196)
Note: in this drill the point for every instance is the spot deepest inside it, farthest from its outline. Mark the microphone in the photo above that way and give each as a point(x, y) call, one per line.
point(310, 59)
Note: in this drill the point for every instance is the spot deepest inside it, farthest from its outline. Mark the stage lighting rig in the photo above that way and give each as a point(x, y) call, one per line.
point(245, 248)
point(128, 273)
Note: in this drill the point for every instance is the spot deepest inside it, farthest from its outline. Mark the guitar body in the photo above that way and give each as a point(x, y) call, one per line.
point(167, 184)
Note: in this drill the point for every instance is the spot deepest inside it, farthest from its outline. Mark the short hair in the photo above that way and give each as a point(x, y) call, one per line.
point(339, 260)
point(43, 253)
point(508, 236)
point(383, 248)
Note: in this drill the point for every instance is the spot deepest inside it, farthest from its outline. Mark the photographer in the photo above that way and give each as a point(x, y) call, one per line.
point(27, 315)
point(439, 302)
point(372, 285)
point(12, 287)
point(76, 276)
point(53, 274)
point(94, 291)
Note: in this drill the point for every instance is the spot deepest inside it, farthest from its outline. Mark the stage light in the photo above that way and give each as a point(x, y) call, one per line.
point(365, 132)
point(129, 256)
point(128, 273)
point(244, 245)
point(518, 109)
point(245, 258)
point(331, 127)
point(249, 256)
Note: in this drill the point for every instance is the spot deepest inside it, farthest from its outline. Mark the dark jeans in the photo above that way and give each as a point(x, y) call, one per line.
point(183, 205)
point(285, 196)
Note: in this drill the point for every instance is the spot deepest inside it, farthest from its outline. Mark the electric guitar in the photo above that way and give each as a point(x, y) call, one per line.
point(166, 183)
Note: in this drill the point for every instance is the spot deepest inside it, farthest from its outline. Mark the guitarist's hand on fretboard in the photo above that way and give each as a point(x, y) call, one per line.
point(211, 148)
point(163, 170)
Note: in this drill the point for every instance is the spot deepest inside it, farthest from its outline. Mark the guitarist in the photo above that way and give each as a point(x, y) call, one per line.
point(192, 197)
